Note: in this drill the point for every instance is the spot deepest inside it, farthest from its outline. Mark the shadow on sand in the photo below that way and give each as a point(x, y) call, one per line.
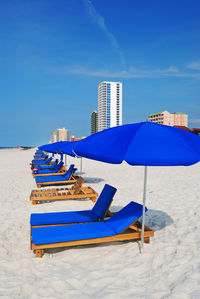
point(61, 200)
point(157, 220)
point(79, 173)
point(88, 180)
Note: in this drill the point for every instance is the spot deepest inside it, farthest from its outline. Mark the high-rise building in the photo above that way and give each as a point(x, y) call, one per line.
point(169, 119)
point(109, 105)
point(94, 122)
point(63, 135)
point(53, 136)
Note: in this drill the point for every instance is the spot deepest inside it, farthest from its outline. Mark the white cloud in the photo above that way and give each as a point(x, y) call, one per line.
point(132, 72)
point(195, 65)
point(100, 22)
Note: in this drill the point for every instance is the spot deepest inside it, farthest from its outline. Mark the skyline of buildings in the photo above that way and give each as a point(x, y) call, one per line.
point(169, 119)
point(109, 113)
point(109, 105)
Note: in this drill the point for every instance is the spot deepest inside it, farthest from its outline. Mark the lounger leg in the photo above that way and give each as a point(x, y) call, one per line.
point(93, 199)
point(39, 252)
point(146, 240)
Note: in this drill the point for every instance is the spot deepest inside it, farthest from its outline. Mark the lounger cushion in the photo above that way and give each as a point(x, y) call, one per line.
point(125, 217)
point(64, 233)
point(44, 166)
point(104, 201)
point(100, 208)
point(42, 162)
point(62, 217)
point(47, 167)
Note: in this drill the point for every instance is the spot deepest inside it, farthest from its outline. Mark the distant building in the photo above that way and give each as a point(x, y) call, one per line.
point(94, 122)
point(169, 119)
point(60, 135)
point(63, 135)
point(109, 105)
point(73, 138)
point(53, 137)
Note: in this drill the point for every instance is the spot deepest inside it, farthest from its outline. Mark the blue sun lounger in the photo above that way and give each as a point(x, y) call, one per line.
point(66, 178)
point(38, 151)
point(41, 162)
point(46, 167)
point(97, 213)
point(122, 226)
point(57, 169)
point(38, 158)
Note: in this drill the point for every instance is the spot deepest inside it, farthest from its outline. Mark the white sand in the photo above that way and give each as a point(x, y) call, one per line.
point(169, 266)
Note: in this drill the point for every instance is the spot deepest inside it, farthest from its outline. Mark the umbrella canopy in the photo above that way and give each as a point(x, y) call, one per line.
point(67, 147)
point(144, 143)
point(55, 148)
point(47, 148)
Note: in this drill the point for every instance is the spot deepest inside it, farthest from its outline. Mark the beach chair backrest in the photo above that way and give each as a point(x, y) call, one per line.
point(53, 165)
point(58, 166)
point(48, 160)
point(104, 200)
point(125, 217)
point(68, 174)
point(78, 185)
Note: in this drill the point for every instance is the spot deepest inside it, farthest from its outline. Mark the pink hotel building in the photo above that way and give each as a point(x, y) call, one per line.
point(169, 119)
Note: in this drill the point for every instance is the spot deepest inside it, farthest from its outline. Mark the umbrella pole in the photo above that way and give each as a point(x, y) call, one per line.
point(144, 203)
point(81, 165)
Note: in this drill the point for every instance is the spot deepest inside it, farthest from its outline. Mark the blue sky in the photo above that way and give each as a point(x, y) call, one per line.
point(53, 54)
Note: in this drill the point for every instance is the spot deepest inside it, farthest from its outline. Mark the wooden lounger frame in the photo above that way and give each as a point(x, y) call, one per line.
point(133, 232)
point(62, 170)
point(75, 192)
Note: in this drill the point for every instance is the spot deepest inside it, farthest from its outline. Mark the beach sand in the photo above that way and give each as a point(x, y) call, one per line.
point(169, 267)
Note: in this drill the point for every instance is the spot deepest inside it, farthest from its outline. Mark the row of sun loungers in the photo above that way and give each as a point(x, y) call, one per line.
point(57, 175)
point(60, 176)
point(98, 225)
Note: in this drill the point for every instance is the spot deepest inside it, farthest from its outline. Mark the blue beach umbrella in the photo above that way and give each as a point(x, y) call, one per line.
point(145, 143)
